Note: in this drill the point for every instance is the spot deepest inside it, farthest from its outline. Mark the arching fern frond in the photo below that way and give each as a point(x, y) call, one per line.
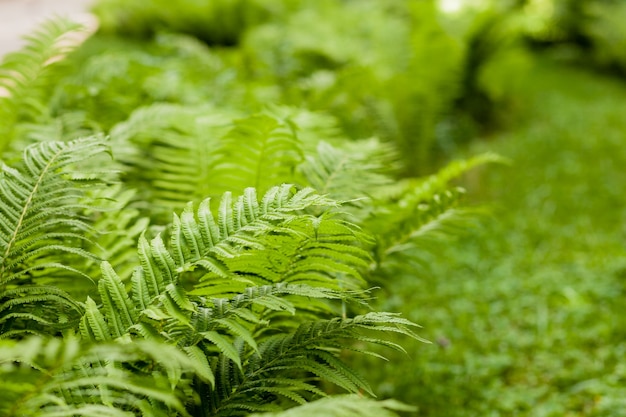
point(21, 71)
point(409, 219)
point(42, 228)
point(201, 242)
point(307, 354)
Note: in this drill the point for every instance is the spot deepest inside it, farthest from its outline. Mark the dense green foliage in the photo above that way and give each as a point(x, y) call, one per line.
point(317, 55)
point(196, 204)
point(247, 298)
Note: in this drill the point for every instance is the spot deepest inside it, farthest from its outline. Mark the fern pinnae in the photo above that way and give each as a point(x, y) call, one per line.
point(32, 190)
point(116, 303)
point(93, 325)
point(208, 227)
point(155, 279)
point(225, 216)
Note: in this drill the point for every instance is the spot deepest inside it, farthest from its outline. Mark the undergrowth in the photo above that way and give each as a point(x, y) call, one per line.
point(526, 314)
point(164, 253)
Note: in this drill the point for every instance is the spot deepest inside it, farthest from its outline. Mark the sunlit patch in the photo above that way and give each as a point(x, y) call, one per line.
point(450, 6)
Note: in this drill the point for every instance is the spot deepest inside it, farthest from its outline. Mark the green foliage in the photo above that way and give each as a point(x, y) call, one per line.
point(253, 296)
point(43, 234)
point(67, 377)
point(216, 22)
point(391, 70)
point(526, 314)
point(325, 54)
point(608, 37)
point(343, 406)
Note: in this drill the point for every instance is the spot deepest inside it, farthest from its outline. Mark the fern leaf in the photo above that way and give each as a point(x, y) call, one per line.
point(200, 363)
point(168, 151)
point(43, 227)
point(116, 303)
point(350, 173)
point(266, 149)
point(47, 377)
point(343, 406)
point(225, 346)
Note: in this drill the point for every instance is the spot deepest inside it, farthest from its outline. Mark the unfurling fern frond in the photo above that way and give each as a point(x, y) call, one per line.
point(43, 231)
point(65, 377)
point(21, 71)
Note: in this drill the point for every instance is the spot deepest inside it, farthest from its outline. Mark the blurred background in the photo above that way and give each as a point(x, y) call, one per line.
point(525, 309)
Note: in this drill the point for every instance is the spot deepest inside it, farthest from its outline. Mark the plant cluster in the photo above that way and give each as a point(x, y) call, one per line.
point(246, 299)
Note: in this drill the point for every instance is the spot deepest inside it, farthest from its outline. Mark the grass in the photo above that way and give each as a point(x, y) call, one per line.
point(527, 314)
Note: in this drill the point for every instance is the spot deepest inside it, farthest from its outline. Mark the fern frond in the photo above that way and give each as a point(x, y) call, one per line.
point(352, 172)
point(42, 226)
point(409, 233)
point(343, 406)
point(168, 151)
point(409, 219)
point(312, 349)
point(201, 242)
point(248, 340)
point(64, 377)
point(116, 228)
point(439, 181)
point(21, 72)
point(321, 251)
point(266, 150)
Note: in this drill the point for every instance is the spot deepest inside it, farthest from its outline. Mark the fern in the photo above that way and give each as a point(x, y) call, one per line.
point(245, 302)
point(66, 377)
point(205, 244)
point(266, 149)
point(410, 218)
point(43, 232)
point(180, 153)
point(311, 348)
point(343, 406)
point(168, 151)
point(248, 346)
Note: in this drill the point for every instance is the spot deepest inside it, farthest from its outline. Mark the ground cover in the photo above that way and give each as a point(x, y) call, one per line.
point(526, 315)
